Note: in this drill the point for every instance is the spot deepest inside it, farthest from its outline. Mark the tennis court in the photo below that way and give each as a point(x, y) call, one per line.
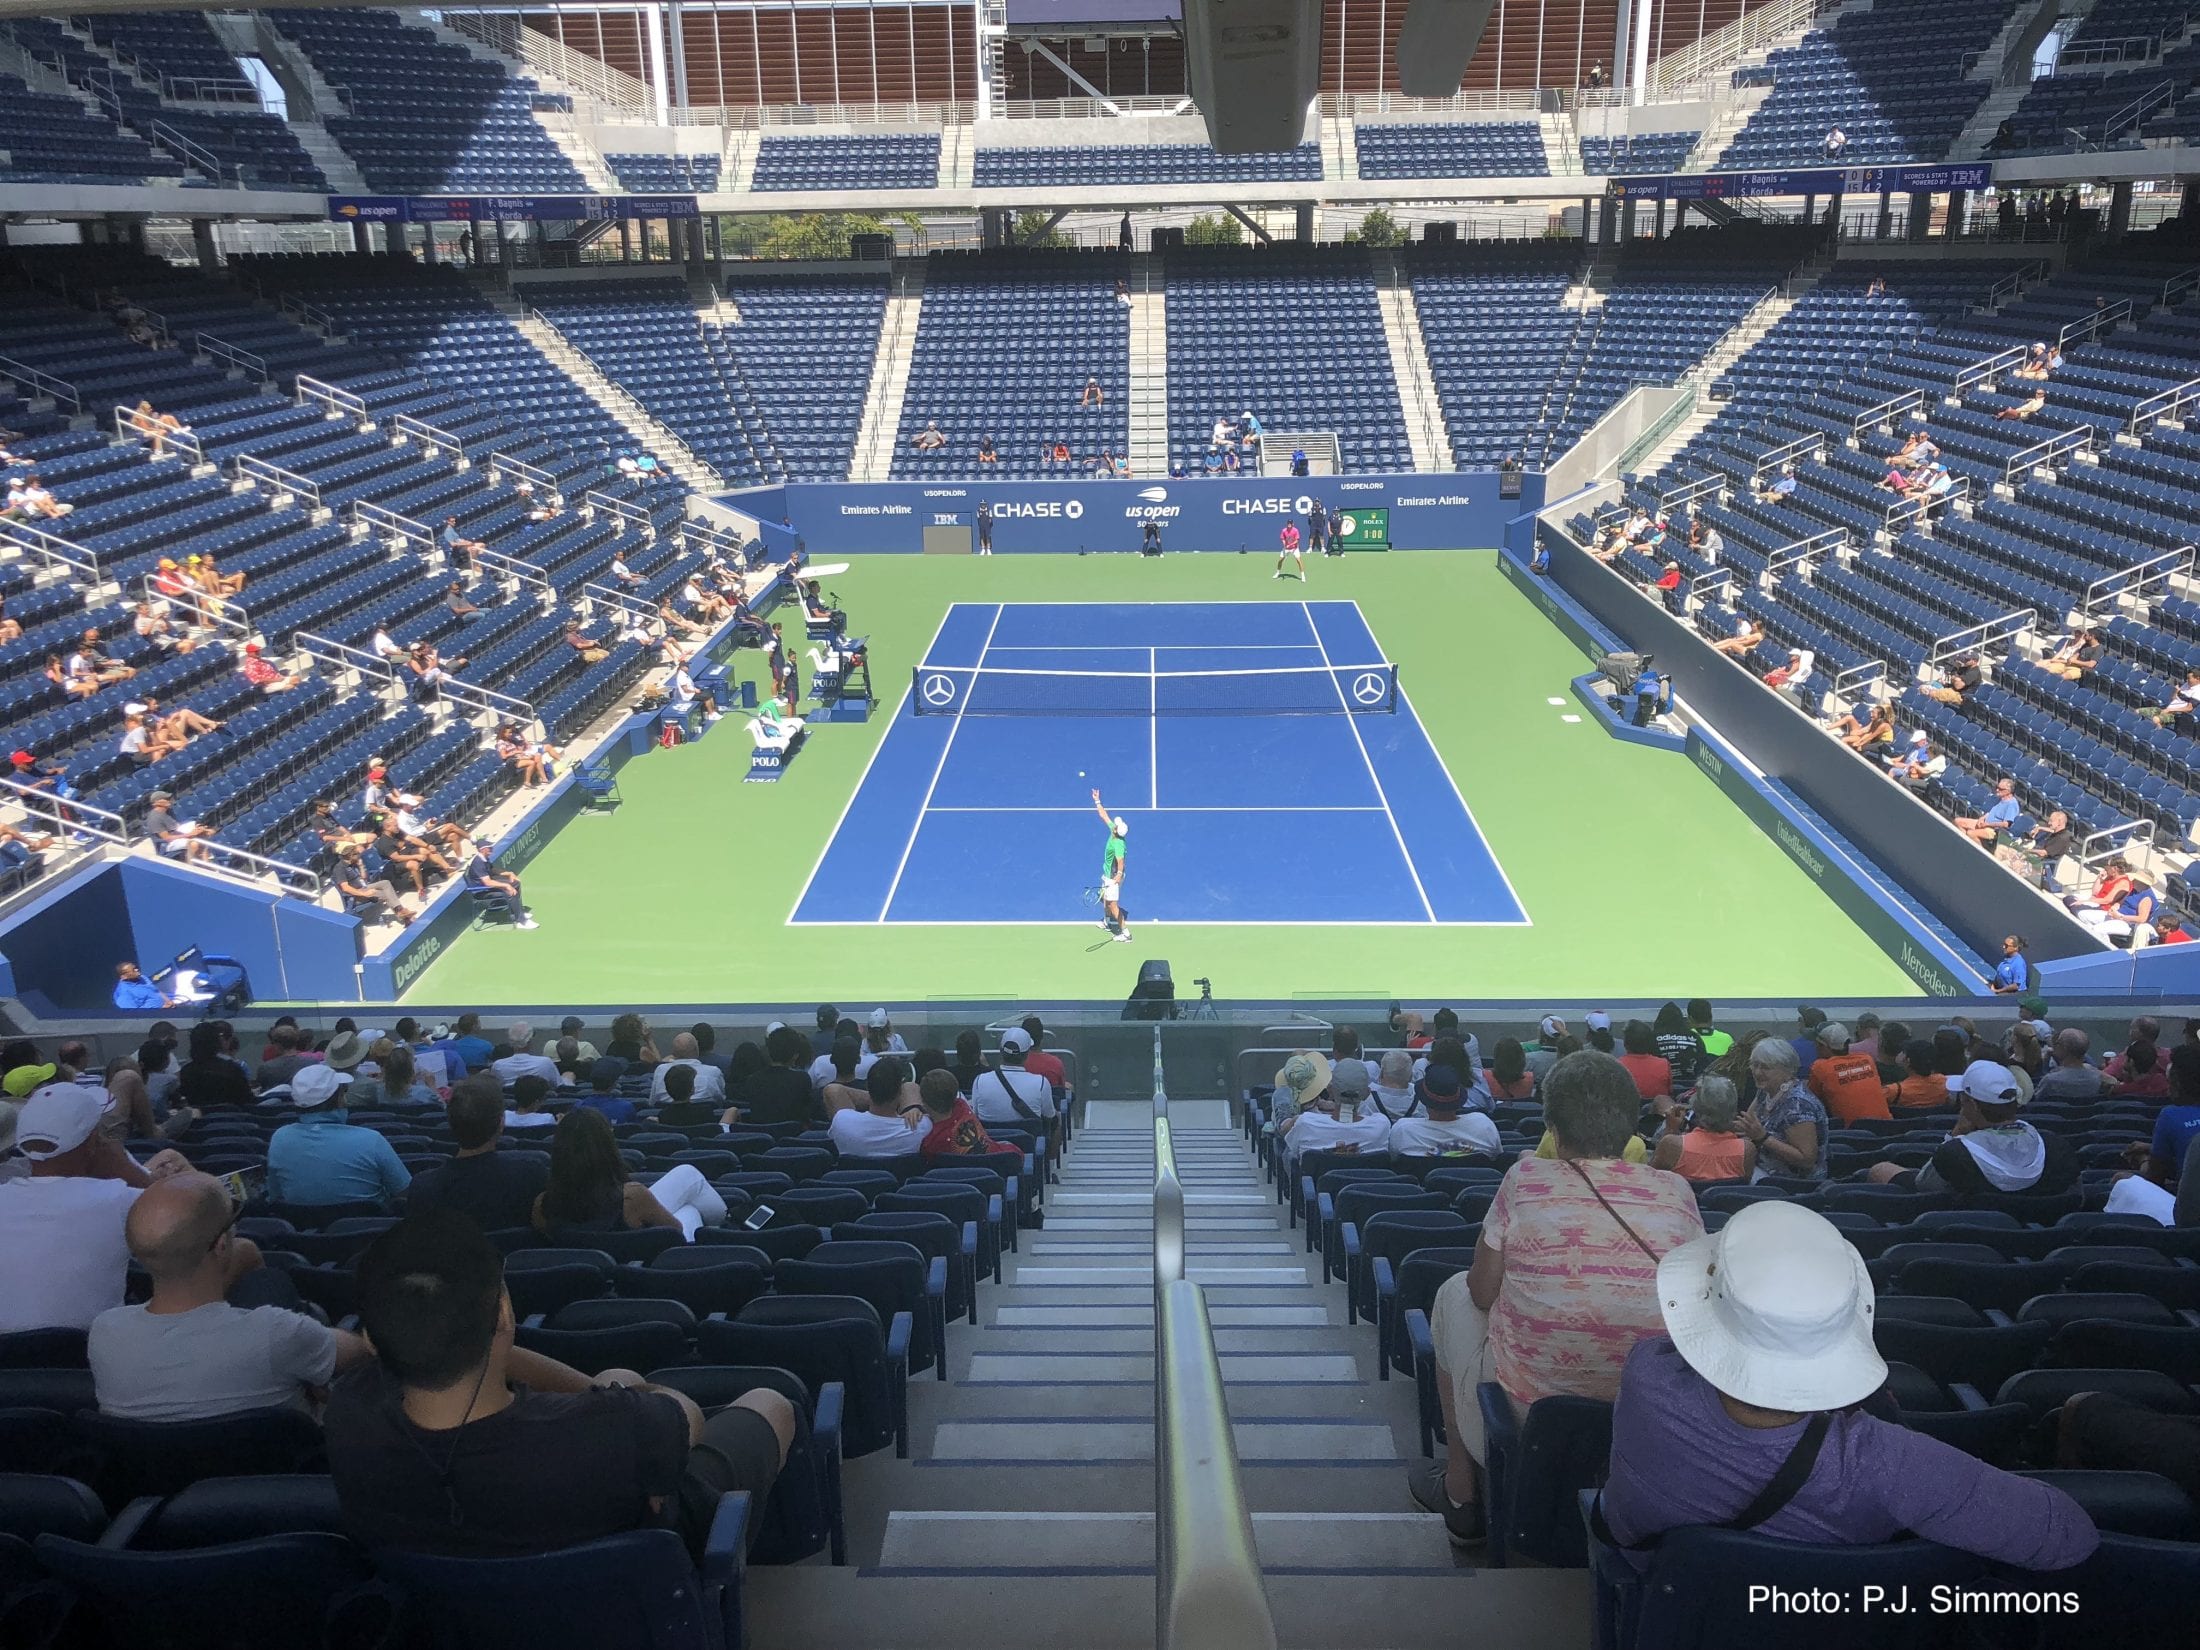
point(1266, 755)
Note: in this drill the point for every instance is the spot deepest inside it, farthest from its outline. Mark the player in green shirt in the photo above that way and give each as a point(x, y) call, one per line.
point(1111, 870)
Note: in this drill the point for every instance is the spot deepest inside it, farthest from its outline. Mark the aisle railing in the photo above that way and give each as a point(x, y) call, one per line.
point(1207, 1593)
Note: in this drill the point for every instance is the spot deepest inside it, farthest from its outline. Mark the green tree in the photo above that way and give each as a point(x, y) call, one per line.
point(810, 235)
point(1214, 229)
point(1379, 228)
point(1031, 230)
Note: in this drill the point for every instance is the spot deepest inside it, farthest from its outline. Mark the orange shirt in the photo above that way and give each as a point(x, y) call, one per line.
point(1918, 1093)
point(1707, 1157)
point(1848, 1086)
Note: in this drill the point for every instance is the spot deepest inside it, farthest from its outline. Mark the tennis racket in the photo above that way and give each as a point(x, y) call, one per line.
point(1092, 895)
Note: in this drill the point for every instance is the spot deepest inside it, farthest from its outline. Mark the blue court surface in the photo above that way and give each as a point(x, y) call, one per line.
point(1251, 797)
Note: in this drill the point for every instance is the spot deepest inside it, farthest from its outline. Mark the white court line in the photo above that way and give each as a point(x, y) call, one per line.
point(1412, 870)
point(885, 734)
point(1173, 647)
point(1520, 905)
point(947, 808)
point(1153, 726)
point(940, 766)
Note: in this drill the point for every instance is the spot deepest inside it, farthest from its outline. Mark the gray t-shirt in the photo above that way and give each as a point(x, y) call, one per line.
point(2069, 1083)
point(213, 1360)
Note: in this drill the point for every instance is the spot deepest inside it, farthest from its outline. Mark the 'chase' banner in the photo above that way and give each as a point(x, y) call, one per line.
point(508, 208)
point(1416, 512)
point(1822, 180)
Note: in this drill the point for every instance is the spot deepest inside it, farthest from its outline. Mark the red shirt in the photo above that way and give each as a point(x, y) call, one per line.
point(2176, 936)
point(1048, 1066)
point(1653, 1073)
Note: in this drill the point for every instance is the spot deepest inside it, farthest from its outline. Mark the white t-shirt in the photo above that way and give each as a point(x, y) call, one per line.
point(513, 1067)
point(822, 1072)
point(1317, 1131)
point(65, 1257)
point(529, 1120)
point(710, 1082)
point(1424, 1137)
point(866, 1134)
point(989, 1099)
point(213, 1360)
point(2137, 1195)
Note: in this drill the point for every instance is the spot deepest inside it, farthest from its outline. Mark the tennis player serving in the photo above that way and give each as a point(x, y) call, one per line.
point(1111, 870)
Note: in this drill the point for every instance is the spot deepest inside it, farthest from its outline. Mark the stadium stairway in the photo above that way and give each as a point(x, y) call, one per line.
point(1023, 1519)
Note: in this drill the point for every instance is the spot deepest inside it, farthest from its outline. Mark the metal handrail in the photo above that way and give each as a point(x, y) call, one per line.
point(610, 595)
point(518, 572)
point(292, 879)
point(1978, 638)
point(1805, 550)
point(2179, 286)
point(1989, 369)
point(405, 426)
point(696, 534)
point(1886, 412)
point(341, 403)
point(1208, 1592)
point(184, 441)
point(249, 466)
point(344, 656)
point(2105, 319)
point(2169, 404)
point(311, 315)
point(196, 153)
point(218, 611)
point(58, 391)
point(1713, 484)
point(1914, 508)
point(1858, 674)
point(52, 549)
point(1808, 446)
point(243, 360)
point(2138, 578)
point(1704, 586)
point(2062, 444)
point(67, 817)
point(366, 515)
point(503, 467)
point(631, 516)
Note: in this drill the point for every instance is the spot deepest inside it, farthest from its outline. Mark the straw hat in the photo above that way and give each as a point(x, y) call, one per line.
point(1775, 1309)
point(1303, 1077)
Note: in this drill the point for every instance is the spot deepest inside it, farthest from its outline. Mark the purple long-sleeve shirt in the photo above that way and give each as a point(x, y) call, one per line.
point(1679, 1458)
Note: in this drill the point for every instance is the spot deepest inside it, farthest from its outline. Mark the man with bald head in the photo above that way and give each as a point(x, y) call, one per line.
point(187, 1354)
point(710, 1082)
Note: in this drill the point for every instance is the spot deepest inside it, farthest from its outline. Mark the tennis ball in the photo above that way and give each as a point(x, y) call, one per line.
point(1080, 773)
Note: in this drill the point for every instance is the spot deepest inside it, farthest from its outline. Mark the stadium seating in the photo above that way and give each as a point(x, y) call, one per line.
point(1639, 152)
point(666, 174)
point(50, 137)
point(1094, 165)
point(1295, 337)
point(1895, 80)
point(1004, 347)
point(424, 117)
point(804, 351)
point(906, 160)
point(2078, 111)
point(1451, 149)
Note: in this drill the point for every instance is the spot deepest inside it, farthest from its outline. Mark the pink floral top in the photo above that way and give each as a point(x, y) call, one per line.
point(1578, 1291)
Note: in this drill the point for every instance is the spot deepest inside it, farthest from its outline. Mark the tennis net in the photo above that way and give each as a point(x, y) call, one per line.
point(1308, 690)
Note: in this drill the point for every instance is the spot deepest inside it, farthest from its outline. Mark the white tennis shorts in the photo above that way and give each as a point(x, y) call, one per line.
point(1111, 888)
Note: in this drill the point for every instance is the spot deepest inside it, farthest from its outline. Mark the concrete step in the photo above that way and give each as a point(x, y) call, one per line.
point(1066, 1543)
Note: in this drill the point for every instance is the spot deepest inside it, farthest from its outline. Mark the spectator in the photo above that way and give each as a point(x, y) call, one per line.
point(1791, 678)
point(1009, 1093)
point(1786, 1122)
point(988, 453)
point(395, 1079)
point(286, 1057)
point(2144, 1077)
point(1652, 1072)
point(530, 1108)
point(571, 1026)
point(603, 1091)
point(1779, 489)
point(1922, 764)
point(1805, 1040)
point(1543, 1053)
point(28, 500)
point(134, 994)
point(355, 882)
point(1702, 1141)
point(710, 1082)
point(1989, 1150)
point(781, 1092)
point(1392, 1093)
point(2177, 1124)
point(1509, 1077)
point(1837, 143)
point(2178, 713)
point(1681, 1048)
point(497, 891)
point(952, 1128)
point(456, 604)
point(887, 1121)
point(62, 1225)
point(494, 1189)
point(2144, 1028)
point(1564, 1280)
point(323, 1157)
point(460, 549)
point(1921, 1087)
point(1846, 1083)
point(189, 1353)
point(522, 1060)
point(1759, 1379)
point(1037, 1059)
point(258, 673)
point(929, 439)
point(1442, 1129)
point(589, 1189)
point(209, 1079)
point(1092, 397)
point(460, 1443)
point(2026, 408)
point(1596, 75)
point(2079, 655)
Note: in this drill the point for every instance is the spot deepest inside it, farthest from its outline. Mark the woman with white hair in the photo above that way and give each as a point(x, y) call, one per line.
point(1564, 1281)
point(1786, 1122)
point(1702, 1142)
point(1744, 1415)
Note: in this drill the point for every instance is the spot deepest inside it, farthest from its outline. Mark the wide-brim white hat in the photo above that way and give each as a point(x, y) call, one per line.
point(1774, 1309)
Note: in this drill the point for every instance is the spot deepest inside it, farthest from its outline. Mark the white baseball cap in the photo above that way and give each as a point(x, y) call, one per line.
point(880, 1019)
point(1015, 1040)
point(1775, 1309)
point(1988, 1082)
point(57, 1119)
point(1597, 1020)
point(317, 1085)
point(1551, 1026)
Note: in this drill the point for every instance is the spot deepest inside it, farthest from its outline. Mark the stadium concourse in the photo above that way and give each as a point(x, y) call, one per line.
point(1494, 799)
